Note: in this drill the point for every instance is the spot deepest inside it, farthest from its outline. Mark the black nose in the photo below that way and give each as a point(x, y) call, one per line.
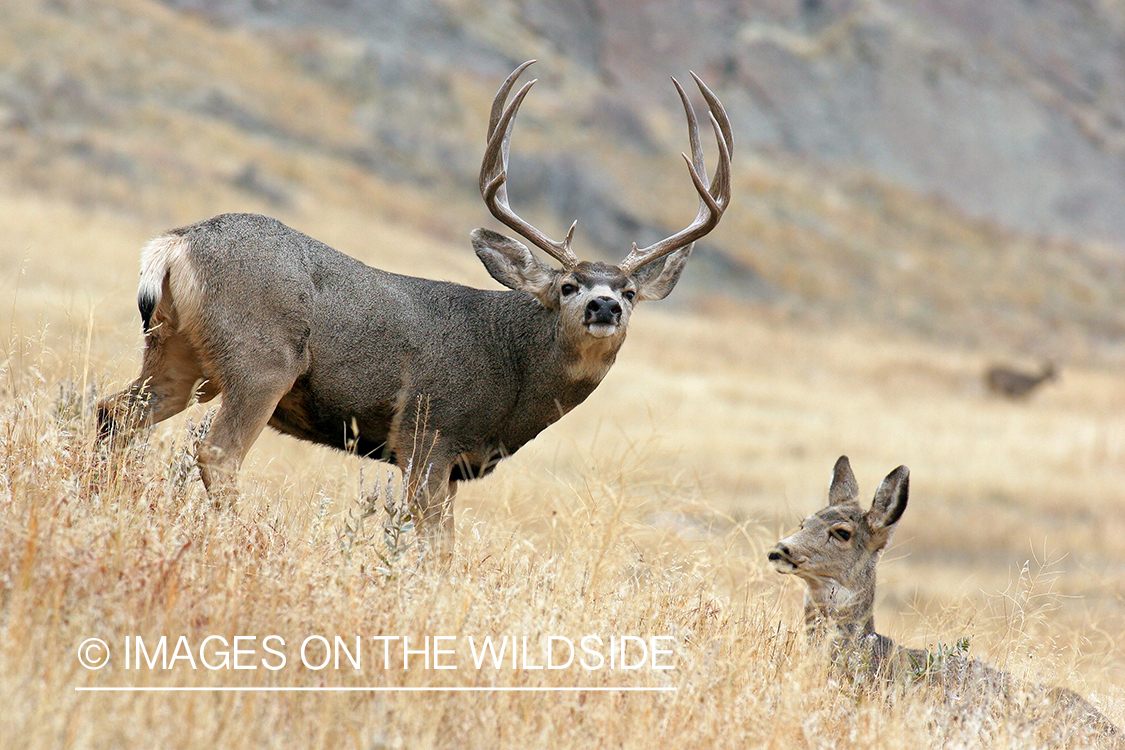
point(603, 310)
point(779, 552)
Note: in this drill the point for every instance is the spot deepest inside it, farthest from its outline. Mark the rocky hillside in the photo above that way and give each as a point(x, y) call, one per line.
point(1012, 111)
point(954, 169)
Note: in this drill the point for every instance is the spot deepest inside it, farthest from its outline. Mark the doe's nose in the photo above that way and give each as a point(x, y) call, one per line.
point(603, 310)
point(779, 552)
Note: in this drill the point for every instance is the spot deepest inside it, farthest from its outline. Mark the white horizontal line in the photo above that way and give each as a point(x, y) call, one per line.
point(566, 689)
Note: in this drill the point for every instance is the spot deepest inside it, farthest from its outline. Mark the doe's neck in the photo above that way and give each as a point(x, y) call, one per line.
point(839, 613)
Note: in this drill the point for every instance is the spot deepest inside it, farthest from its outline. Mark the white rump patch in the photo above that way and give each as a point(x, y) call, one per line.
point(167, 256)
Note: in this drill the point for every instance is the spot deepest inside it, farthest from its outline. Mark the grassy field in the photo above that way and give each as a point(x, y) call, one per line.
point(643, 517)
point(644, 513)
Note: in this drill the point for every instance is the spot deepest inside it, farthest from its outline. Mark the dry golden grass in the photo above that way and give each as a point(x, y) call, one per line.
point(645, 512)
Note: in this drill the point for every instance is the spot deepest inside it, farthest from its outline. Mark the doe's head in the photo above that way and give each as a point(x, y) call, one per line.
point(836, 549)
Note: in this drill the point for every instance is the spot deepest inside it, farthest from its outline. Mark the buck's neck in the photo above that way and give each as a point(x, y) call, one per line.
point(587, 359)
point(555, 371)
point(557, 357)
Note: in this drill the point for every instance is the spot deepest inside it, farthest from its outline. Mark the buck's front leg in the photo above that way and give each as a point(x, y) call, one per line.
point(432, 493)
point(435, 512)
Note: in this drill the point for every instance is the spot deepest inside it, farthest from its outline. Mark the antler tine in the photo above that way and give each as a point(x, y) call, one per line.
point(494, 166)
point(715, 105)
point(693, 132)
point(494, 172)
point(502, 96)
point(713, 198)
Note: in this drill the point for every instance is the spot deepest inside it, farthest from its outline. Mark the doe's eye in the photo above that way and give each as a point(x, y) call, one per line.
point(629, 295)
point(568, 289)
point(842, 534)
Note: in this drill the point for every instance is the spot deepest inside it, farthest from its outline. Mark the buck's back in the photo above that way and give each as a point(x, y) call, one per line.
point(378, 342)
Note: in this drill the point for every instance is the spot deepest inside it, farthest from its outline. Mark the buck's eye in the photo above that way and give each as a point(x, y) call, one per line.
point(568, 289)
point(629, 295)
point(842, 534)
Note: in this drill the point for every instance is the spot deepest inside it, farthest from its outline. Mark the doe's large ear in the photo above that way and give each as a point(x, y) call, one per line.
point(844, 488)
point(890, 499)
point(512, 264)
point(657, 279)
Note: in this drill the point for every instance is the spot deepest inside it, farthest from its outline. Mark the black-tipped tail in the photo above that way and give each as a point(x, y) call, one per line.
point(146, 303)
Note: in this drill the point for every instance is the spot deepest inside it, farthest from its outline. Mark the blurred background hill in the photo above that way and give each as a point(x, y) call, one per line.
point(955, 170)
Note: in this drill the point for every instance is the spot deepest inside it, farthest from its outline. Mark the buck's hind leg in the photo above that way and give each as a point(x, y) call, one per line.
point(170, 374)
point(248, 404)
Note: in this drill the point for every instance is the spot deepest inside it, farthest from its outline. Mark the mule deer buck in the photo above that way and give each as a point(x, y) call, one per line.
point(835, 553)
point(433, 376)
point(1005, 381)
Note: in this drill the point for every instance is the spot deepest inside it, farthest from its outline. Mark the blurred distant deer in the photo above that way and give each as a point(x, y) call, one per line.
point(439, 378)
point(835, 553)
point(1004, 381)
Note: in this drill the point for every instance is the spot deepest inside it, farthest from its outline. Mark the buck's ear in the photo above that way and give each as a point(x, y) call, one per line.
point(844, 488)
point(656, 280)
point(890, 500)
point(512, 264)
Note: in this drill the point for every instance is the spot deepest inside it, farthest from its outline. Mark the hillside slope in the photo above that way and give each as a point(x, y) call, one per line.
point(850, 212)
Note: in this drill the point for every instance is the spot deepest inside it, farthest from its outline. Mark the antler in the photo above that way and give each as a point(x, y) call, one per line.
point(713, 200)
point(494, 172)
